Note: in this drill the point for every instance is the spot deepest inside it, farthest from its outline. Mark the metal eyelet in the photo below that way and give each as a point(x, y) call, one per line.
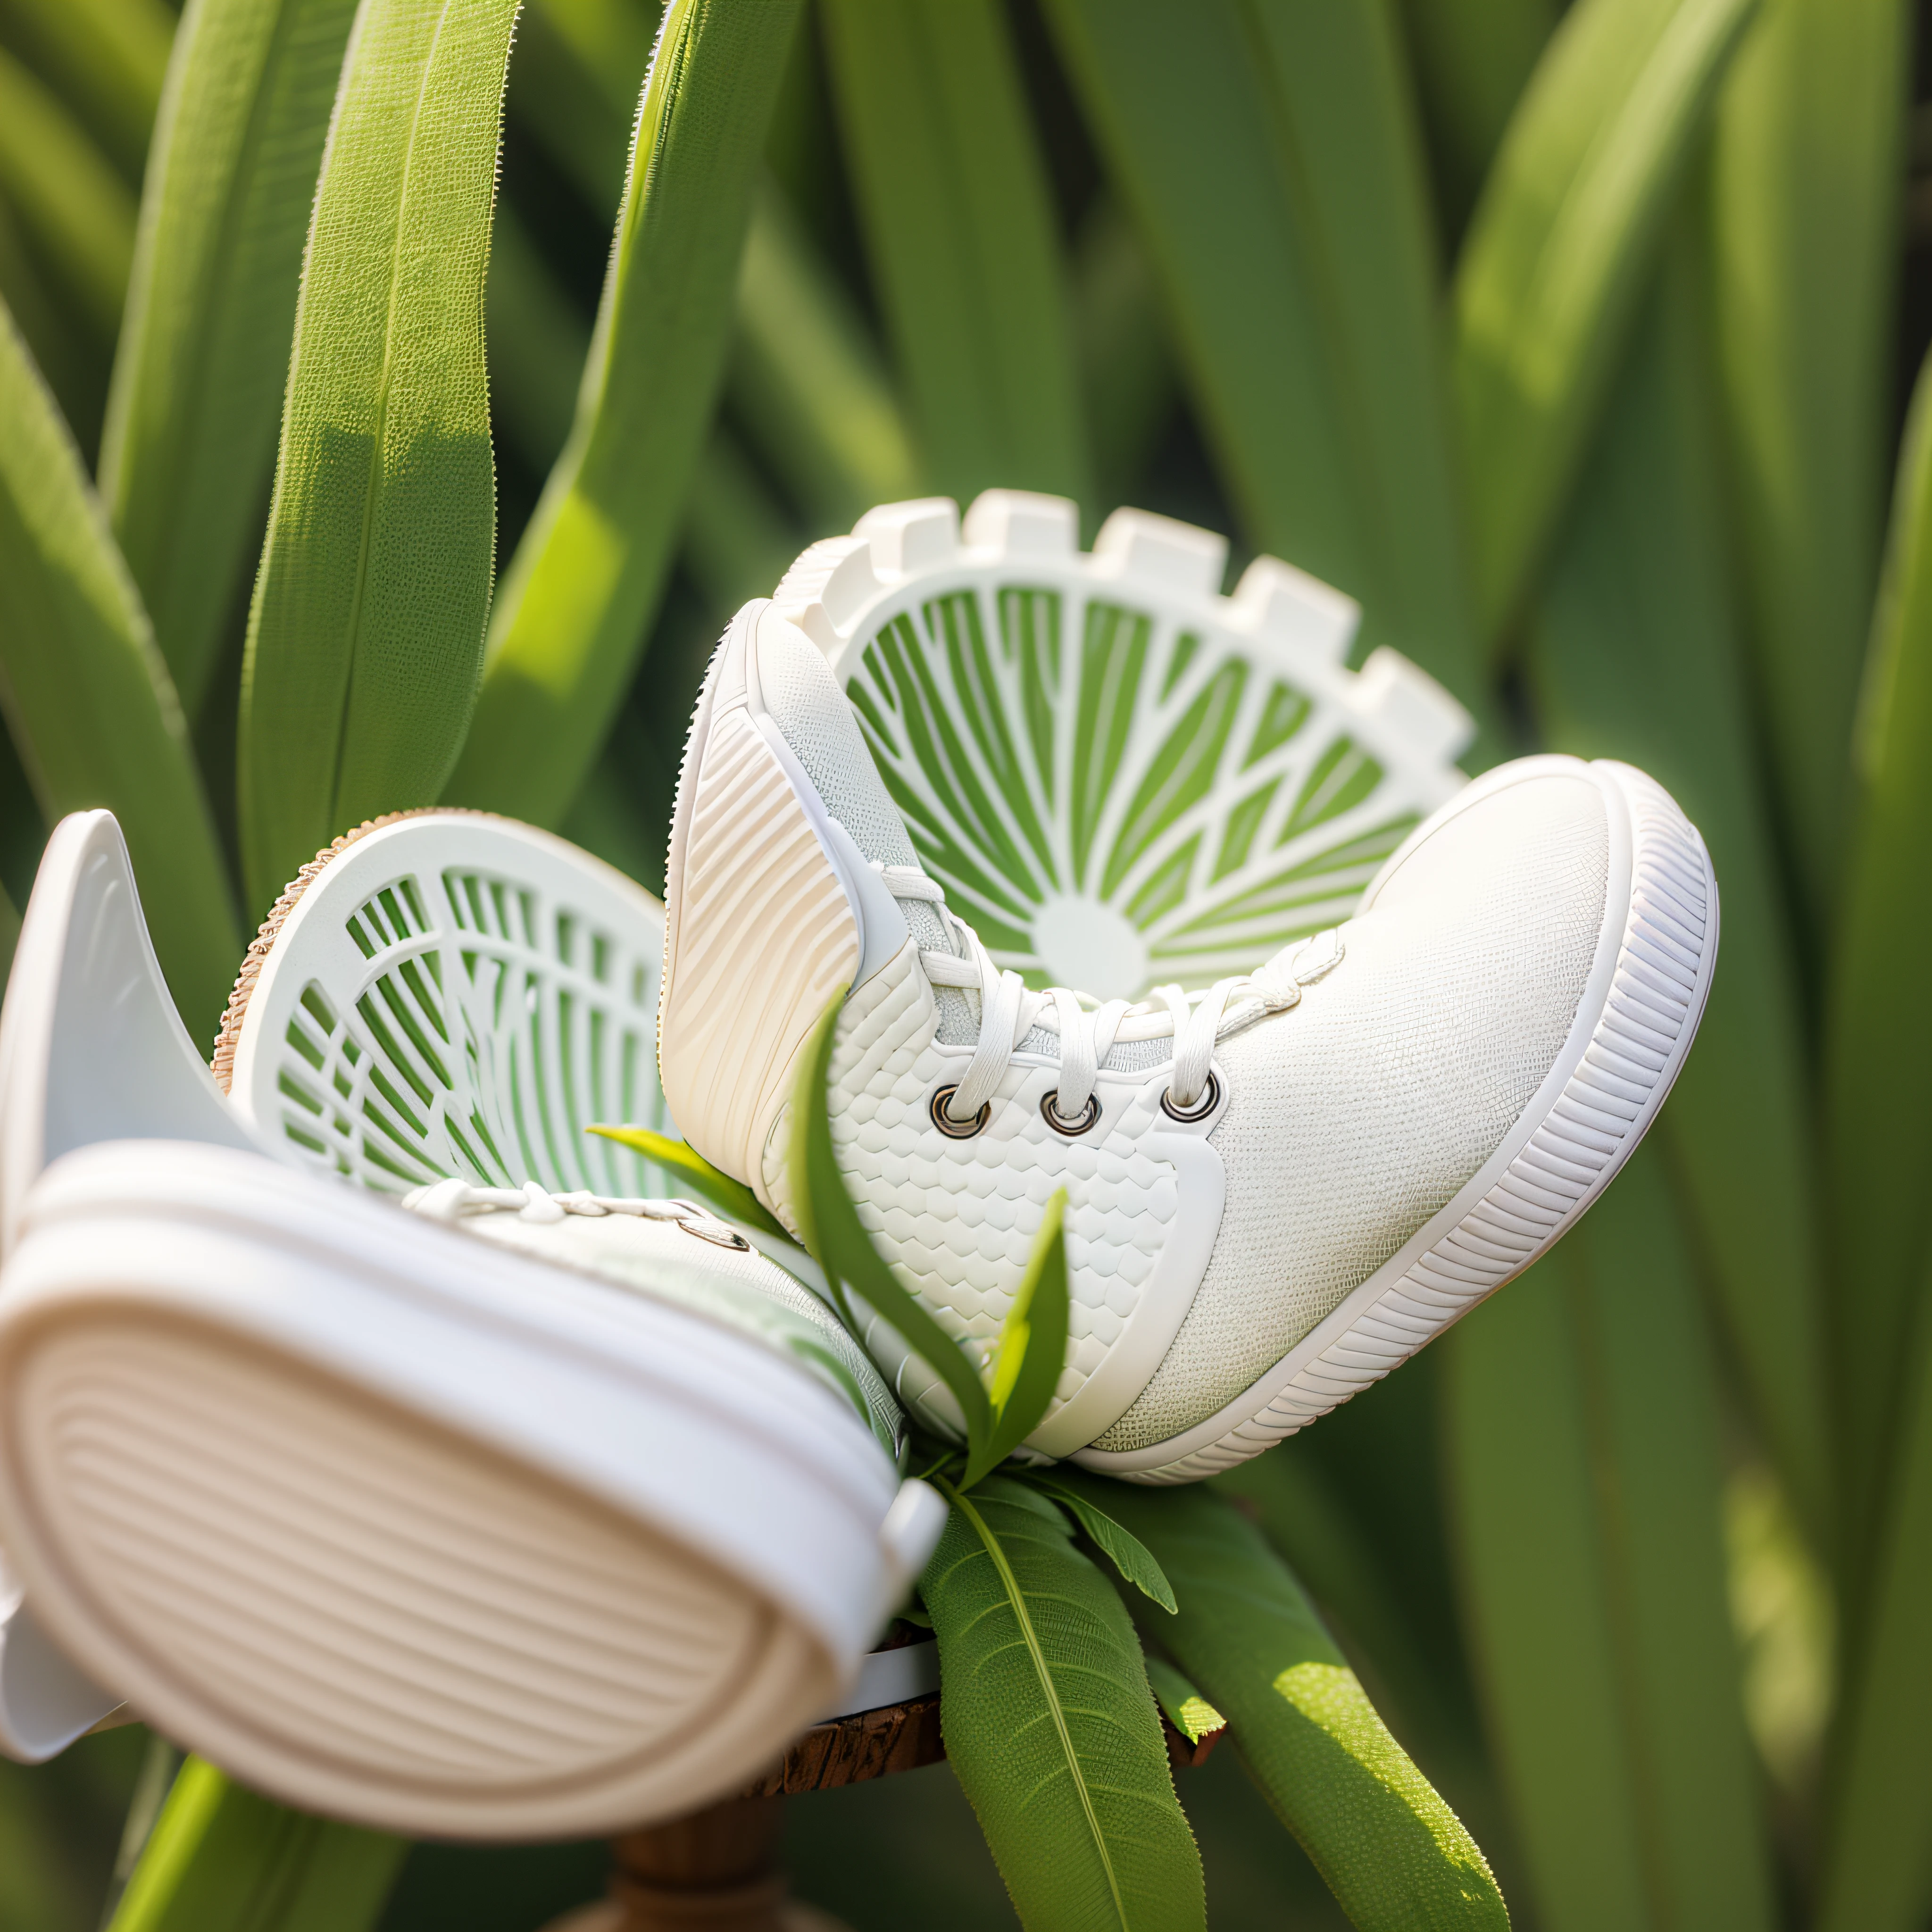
point(1058, 1121)
point(955, 1130)
point(717, 1234)
point(1210, 1099)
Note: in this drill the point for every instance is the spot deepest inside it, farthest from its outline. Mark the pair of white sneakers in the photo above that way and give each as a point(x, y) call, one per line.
point(574, 1525)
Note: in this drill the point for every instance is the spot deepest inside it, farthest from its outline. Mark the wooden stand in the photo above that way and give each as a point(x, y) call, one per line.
point(719, 1868)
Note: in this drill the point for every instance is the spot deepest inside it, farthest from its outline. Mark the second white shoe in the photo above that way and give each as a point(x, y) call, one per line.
point(1278, 1189)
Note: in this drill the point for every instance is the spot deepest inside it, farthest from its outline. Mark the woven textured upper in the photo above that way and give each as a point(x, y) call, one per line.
point(1355, 1118)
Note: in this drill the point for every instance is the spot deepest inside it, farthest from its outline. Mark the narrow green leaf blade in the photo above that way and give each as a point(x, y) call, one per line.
point(1393, 1853)
point(830, 1227)
point(203, 357)
point(1878, 1817)
point(691, 1168)
point(1187, 1710)
point(1032, 1352)
point(1049, 1724)
point(1128, 1555)
point(1557, 253)
point(1638, 599)
point(107, 58)
point(1809, 172)
point(366, 634)
point(79, 211)
point(87, 698)
point(570, 616)
point(1271, 156)
point(953, 197)
point(1583, 1423)
point(221, 1859)
point(1879, 1037)
point(807, 379)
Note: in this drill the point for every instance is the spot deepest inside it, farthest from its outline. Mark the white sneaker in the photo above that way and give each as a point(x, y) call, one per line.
point(394, 1523)
point(1279, 1189)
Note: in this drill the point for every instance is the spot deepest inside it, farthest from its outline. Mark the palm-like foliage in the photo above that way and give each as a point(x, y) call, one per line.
point(1561, 343)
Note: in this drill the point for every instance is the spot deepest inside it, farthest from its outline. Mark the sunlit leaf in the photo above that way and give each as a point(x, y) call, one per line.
point(691, 1167)
point(366, 634)
point(1032, 1350)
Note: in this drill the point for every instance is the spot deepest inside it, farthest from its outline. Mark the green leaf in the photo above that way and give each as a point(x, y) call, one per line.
point(1049, 1725)
point(830, 1227)
point(1878, 1034)
point(1472, 59)
point(1187, 1710)
point(366, 632)
point(1129, 1555)
point(1558, 254)
point(1393, 1853)
point(1878, 1817)
point(1270, 155)
point(1126, 368)
point(1032, 1352)
point(107, 59)
point(570, 616)
point(806, 378)
point(1585, 1478)
point(1809, 172)
point(221, 1859)
point(1638, 599)
point(203, 358)
point(954, 200)
point(538, 342)
point(87, 698)
point(78, 210)
point(733, 1197)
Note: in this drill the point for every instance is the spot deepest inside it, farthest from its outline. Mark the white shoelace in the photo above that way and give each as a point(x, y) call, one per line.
point(457, 1200)
point(1089, 1029)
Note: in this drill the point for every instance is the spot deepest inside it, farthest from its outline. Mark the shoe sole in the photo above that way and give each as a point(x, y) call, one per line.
point(401, 1530)
point(750, 871)
point(1633, 1027)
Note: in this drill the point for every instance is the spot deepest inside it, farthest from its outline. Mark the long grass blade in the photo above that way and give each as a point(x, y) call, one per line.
point(1558, 253)
point(79, 211)
point(87, 697)
point(203, 358)
point(366, 634)
point(1271, 156)
point(1638, 600)
point(1472, 60)
point(1879, 1043)
point(570, 619)
point(808, 380)
point(1050, 1724)
point(75, 368)
point(105, 57)
point(1809, 172)
point(957, 215)
point(1392, 1851)
point(1583, 1424)
point(221, 1859)
point(1878, 1877)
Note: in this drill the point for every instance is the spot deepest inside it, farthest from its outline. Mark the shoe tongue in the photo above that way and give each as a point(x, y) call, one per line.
point(818, 721)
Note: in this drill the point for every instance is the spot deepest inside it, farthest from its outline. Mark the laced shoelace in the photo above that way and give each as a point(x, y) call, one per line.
point(1088, 1029)
point(457, 1200)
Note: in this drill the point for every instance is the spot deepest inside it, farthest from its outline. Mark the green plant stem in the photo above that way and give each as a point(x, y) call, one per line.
point(221, 1859)
point(571, 615)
